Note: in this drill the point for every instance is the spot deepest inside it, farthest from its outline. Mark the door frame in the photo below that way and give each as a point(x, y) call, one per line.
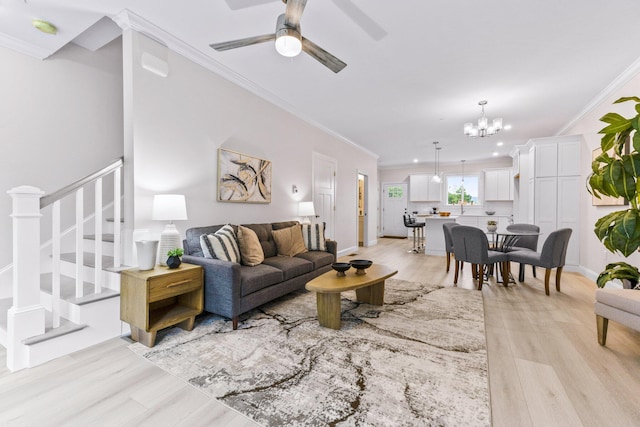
point(365, 196)
point(382, 200)
point(318, 156)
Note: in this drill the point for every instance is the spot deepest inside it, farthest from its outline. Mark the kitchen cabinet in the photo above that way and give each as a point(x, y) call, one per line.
point(423, 189)
point(556, 186)
point(498, 184)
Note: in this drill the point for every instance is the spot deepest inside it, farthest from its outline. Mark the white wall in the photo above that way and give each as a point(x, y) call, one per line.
point(175, 125)
point(60, 119)
point(593, 255)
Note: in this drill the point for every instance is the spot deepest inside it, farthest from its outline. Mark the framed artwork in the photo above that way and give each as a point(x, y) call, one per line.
point(608, 200)
point(243, 178)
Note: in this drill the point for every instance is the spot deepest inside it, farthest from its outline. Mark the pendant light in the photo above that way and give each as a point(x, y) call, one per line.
point(436, 159)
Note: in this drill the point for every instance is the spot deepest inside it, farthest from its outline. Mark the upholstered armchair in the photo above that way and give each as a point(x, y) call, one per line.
point(525, 243)
point(619, 305)
point(448, 240)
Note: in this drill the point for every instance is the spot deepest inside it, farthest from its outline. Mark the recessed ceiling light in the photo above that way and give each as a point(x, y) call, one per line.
point(495, 153)
point(507, 127)
point(44, 26)
point(500, 144)
point(415, 160)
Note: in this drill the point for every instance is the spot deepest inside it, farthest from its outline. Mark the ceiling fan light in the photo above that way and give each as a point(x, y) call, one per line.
point(288, 45)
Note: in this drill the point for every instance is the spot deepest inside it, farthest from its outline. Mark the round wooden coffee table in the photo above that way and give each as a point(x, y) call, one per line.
point(369, 289)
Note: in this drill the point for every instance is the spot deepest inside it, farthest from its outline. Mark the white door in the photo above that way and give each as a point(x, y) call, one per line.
point(324, 191)
point(394, 203)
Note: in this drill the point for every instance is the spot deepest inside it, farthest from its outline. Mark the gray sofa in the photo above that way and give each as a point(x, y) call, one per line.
point(231, 289)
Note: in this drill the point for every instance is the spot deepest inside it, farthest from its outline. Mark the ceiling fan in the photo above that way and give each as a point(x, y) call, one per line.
point(288, 38)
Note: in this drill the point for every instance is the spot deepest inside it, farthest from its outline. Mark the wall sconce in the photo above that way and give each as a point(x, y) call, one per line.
point(294, 189)
point(305, 210)
point(169, 207)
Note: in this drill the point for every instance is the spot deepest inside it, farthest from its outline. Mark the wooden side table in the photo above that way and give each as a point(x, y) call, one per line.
point(151, 300)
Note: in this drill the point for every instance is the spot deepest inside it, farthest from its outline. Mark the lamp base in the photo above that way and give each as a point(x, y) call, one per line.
point(305, 220)
point(169, 240)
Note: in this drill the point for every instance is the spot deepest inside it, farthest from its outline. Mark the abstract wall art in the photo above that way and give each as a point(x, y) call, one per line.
point(243, 178)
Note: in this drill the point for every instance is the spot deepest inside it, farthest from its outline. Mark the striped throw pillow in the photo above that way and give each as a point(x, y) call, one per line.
point(222, 245)
point(313, 236)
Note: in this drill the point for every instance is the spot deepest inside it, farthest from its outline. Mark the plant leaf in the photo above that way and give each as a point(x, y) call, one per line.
point(627, 98)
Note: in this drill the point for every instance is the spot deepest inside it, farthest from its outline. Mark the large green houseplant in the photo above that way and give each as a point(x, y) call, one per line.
point(615, 173)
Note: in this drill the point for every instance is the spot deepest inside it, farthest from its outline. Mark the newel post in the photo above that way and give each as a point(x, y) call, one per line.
point(26, 317)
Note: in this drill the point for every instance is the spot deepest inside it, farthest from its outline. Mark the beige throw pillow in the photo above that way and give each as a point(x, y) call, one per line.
point(250, 247)
point(289, 241)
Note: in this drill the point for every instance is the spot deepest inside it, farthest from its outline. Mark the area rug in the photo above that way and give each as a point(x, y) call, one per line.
point(418, 360)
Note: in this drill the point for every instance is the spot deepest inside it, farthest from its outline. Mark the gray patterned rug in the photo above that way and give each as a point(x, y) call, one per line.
point(418, 360)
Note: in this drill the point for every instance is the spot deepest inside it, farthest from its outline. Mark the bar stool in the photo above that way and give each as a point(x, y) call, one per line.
point(418, 233)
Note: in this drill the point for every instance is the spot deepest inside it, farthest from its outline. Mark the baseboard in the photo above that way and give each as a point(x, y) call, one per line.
point(348, 251)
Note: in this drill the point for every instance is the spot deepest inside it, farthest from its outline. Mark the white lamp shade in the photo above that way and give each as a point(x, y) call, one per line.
point(169, 207)
point(306, 209)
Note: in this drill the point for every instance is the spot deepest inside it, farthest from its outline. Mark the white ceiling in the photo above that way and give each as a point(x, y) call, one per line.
point(416, 69)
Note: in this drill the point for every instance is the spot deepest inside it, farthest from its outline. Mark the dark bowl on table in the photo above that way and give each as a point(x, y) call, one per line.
point(361, 265)
point(341, 267)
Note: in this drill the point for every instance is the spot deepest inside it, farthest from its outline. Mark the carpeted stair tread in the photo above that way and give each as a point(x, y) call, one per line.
point(68, 290)
point(88, 259)
point(107, 237)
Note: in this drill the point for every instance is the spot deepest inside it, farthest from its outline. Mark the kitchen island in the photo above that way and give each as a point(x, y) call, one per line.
point(433, 234)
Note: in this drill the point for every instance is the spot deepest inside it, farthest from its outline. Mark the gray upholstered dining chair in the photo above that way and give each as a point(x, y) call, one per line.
point(553, 254)
point(524, 243)
point(470, 244)
point(448, 241)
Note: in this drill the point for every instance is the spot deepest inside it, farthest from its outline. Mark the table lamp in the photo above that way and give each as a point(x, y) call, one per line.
point(169, 207)
point(305, 210)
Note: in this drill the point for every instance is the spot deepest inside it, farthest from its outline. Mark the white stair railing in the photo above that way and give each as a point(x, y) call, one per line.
point(25, 318)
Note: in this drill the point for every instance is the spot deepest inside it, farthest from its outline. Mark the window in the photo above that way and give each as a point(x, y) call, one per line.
point(457, 186)
point(395, 192)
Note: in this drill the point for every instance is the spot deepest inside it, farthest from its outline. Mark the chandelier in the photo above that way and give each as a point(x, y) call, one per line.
point(436, 162)
point(483, 128)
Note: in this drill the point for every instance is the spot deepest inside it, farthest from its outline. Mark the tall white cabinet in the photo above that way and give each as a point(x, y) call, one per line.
point(555, 188)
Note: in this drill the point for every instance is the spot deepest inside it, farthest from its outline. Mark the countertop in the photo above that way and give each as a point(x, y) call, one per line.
point(436, 216)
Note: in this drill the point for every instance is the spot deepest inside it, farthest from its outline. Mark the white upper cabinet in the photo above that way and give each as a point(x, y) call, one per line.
point(498, 184)
point(546, 160)
point(568, 161)
point(423, 189)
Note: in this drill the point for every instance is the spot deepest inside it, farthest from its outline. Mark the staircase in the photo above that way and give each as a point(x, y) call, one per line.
point(65, 293)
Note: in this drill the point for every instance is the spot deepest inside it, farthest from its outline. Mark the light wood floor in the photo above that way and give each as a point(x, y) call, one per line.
point(545, 365)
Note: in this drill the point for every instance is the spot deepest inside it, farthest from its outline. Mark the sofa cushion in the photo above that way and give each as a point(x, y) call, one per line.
point(318, 258)
point(289, 241)
point(313, 236)
point(290, 266)
point(221, 245)
point(250, 248)
point(192, 241)
point(258, 277)
point(263, 231)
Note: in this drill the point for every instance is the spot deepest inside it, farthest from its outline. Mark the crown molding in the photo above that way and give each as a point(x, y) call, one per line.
point(24, 47)
point(129, 20)
point(625, 77)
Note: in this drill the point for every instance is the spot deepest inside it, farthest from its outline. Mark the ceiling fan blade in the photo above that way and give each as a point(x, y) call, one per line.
point(233, 44)
point(293, 12)
point(322, 56)
point(243, 4)
point(361, 19)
